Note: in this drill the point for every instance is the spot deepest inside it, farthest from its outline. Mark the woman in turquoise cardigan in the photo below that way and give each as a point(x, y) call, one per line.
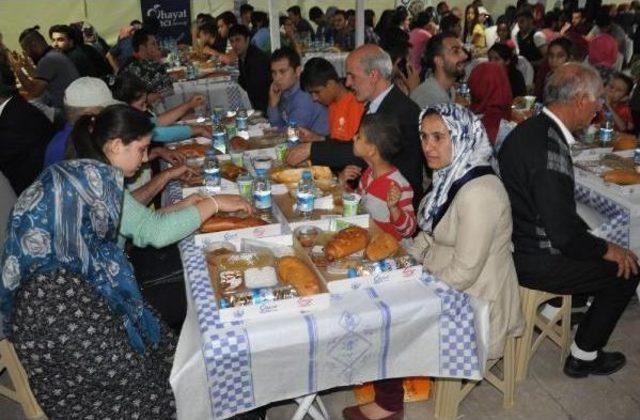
point(131, 90)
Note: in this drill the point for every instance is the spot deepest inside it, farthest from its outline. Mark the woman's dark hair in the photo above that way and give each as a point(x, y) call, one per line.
point(128, 88)
point(384, 22)
point(368, 17)
point(551, 19)
point(422, 19)
point(468, 26)
point(140, 38)
point(399, 16)
point(382, 131)
point(91, 133)
point(396, 43)
point(506, 53)
point(317, 72)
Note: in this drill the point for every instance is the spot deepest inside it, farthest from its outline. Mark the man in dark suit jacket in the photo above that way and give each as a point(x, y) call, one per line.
point(24, 135)
point(553, 249)
point(368, 75)
point(254, 66)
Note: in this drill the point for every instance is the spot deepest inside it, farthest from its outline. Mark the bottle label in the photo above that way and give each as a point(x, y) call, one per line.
point(305, 202)
point(606, 135)
point(262, 200)
point(219, 142)
point(211, 177)
point(241, 123)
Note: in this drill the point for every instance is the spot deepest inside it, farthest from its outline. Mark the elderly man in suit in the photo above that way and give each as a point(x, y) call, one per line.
point(369, 70)
point(554, 250)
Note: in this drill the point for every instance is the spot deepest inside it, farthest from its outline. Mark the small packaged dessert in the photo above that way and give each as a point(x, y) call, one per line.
point(258, 296)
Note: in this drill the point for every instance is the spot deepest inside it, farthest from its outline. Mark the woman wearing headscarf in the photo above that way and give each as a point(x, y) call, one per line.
point(69, 297)
point(465, 221)
point(490, 96)
point(466, 235)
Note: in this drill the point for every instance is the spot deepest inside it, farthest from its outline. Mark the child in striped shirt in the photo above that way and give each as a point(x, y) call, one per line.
point(386, 195)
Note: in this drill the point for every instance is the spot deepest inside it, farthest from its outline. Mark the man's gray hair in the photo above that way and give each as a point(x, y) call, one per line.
point(378, 60)
point(571, 80)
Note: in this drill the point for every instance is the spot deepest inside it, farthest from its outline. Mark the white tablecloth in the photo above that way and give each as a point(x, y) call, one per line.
point(338, 59)
point(612, 212)
point(395, 329)
point(226, 94)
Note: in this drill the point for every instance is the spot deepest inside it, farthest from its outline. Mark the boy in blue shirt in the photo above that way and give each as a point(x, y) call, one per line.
point(287, 102)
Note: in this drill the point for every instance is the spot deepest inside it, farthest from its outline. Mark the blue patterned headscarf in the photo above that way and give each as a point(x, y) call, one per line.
point(68, 218)
point(470, 150)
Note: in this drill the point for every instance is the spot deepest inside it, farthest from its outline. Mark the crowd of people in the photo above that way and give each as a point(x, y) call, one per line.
point(413, 128)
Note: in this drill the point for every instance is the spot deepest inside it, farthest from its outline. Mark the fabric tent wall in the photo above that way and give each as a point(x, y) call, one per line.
point(109, 15)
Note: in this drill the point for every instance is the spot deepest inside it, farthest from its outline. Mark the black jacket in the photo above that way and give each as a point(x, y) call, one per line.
point(255, 77)
point(410, 160)
point(24, 135)
point(537, 171)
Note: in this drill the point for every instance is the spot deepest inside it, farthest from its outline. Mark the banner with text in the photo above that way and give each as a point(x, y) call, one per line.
point(174, 17)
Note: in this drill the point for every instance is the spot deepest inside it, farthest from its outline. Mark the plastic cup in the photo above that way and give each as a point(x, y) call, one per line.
point(237, 158)
point(529, 101)
point(245, 182)
point(350, 202)
point(281, 152)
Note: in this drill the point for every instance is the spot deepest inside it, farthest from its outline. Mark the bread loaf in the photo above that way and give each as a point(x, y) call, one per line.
point(622, 177)
point(284, 175)
point(624, 141)
point(238, 144)
point(383, 245)
point(230, 171)
point(293, 271)
point(346, 242)
point(222, 223)
point(193, 150)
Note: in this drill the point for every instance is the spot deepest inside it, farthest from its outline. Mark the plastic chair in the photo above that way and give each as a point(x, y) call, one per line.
point(21, 392)
point(450, 392)
point(557, 329)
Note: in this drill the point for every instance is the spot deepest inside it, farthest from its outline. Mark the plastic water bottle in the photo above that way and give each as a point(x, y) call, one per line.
point(241, 119)
point(305, 195)
point(293, 137)
point(219, 138)
point(262, 192)
point(636, 158)
point(606, 130)
point(211, 173)
point(464, 91)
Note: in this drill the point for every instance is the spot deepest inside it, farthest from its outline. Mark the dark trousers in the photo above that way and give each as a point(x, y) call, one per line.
point(561, 275)
point(389, 394)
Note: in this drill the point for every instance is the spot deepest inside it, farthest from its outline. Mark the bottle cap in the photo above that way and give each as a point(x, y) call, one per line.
point(261, 172)
point(306, 175)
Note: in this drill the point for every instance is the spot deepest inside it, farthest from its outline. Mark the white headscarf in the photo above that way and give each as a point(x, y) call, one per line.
point(470, 149)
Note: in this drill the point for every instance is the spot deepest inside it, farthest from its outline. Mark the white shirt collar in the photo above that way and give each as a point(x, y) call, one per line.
point(375, 104)
point(563, 128)
point(4, 104)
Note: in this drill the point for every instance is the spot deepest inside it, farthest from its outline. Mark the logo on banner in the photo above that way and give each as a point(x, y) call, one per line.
point(174, 17)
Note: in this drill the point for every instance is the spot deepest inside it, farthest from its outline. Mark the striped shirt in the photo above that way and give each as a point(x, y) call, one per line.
point(374, 200)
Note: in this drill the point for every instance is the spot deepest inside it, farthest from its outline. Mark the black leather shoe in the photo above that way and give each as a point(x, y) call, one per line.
point(604, 364)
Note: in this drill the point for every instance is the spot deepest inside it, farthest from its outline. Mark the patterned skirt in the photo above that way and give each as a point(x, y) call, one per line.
point(77, 355)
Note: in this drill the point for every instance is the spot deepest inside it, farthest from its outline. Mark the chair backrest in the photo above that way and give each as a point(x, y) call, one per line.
point(7, 200)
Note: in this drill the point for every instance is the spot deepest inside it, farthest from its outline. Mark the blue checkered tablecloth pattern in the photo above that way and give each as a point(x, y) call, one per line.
point(458, 339)
point(225, 347)
point(616, 228)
